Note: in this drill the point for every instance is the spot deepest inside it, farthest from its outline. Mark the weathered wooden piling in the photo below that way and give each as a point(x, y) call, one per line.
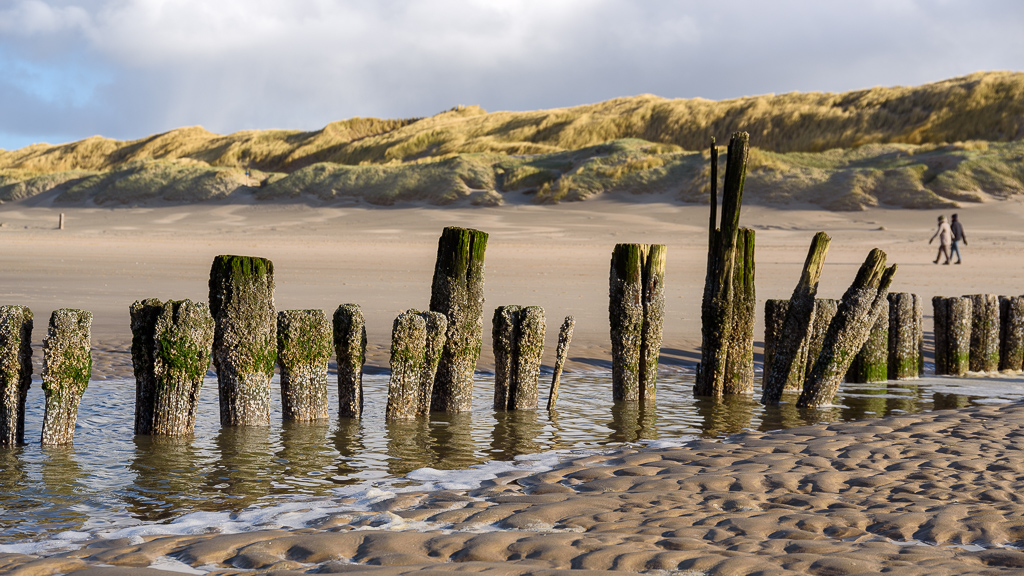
point(717, 304)
point(350, 349)
point(636, 307)
point(984, 332)
point(171, 348)
point(905, 336)
point(437, 329)
point(1011, 333)
point(457, 291)
point(517, 333)
point(952, 326)
point(739, 366)
point(871, 364)
point(824, 311)
point(245, 337)
point(561, 353)
point(408, 352)
point(799, 314)
point(67, 367)
point(15, 372)
point(858, 312)
point(774, 316)
point(303, 351)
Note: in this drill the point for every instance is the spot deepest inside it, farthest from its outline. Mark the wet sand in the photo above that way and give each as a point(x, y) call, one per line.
point(933, 493)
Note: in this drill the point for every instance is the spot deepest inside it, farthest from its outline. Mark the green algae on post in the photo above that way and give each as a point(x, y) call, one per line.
point(437, 327)
point(1011, 333)
point(457, 291)
point(15, 372)
point(67, 367)
point(245, 338)
point(906, 336)
point(871, 364)
point(636, 309)
point(739, 364)
point(303, 351)
point(984, 356)
point(408, 353)
point(350, 348)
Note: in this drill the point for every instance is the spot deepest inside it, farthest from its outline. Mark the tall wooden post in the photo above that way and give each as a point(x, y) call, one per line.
point(1011, 333)
point(457, 292)
point(984, 332)
point(303, 352)
point(350, 348)
point(636, 308)
point(739, 368)
point(245, 338)
point(67, 367)
point(15, 372)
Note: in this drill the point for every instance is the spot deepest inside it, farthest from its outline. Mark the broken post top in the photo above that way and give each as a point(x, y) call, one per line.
point(735, 176)
point(460, 252)
point(811, 274)
point(228, 270)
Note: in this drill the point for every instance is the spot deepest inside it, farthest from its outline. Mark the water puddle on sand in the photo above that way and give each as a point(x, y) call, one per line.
point(234, 479)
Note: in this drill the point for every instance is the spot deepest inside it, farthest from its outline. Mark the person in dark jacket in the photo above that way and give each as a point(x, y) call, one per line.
point(958, 235)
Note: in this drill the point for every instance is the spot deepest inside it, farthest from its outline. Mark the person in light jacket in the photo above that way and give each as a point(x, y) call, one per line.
point(945, 235)
point(958, 235)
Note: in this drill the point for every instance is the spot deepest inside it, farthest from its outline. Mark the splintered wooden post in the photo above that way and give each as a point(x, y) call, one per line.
point(872, 362)
point(654, 318)
point(561, 353)
point(849, 330)
point(1011, 333)
point(67, 367)
point(437, 327)
point(457, 291)
point(518, 337)
point(350, 348)
point(824, 311)
point(799, 314)
point(171, 348)
point(636, 309)
point(408, 352)
point(717, 304)
point(904, 336)
point(984, 332)
point(739, 368)
point(15, 372)
point(774, 315)
point(303, 351)
point(245, 337)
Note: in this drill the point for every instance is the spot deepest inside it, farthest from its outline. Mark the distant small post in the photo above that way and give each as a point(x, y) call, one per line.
point(60, 222)
point(67, 367)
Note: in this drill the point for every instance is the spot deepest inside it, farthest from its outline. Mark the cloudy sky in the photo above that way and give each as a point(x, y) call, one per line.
point(125, 69)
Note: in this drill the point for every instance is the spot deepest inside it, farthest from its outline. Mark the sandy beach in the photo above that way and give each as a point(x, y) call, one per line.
point(934, 493)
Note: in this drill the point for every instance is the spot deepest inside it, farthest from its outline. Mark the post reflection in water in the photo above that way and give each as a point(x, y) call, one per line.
point(243, 472)
point(633, 421)
point(408, 445)
point(166, 471)
point(348, 441)
point(62, 479)
point(788, 415)
point(305, 457)
point(451, 440)
point(950, 401)
point(515, 432)
point(731, 414)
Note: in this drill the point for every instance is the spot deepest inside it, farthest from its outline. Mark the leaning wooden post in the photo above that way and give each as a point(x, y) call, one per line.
point(15, 372)
point(872, 361)
point(408, 352)
point(798, 319)
point(849, 330)
point(904, 336)
point(437, 328)
point(350, 348)
point(1011, 333)
point(245, 338)
point(739, 368)
point(457, 291)
point(303, 351)
point(984, 332)
point(518, 336)
point(717, 304)
point(561, 353)
point(171, 347)
point(67, 367)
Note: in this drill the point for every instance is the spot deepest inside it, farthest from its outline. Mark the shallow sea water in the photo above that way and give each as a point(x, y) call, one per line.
point(111, 483)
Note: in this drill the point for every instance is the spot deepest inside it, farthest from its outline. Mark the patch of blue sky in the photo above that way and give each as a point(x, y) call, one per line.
point(69, 81)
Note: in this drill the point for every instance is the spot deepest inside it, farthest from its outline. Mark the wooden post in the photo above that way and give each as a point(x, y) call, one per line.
point(905, 336)
point(457, 292)
point(654, 317)
point(15, 372)
point(636, 311)
point(717, 304)
point(437, 328)
point(871, 364)
point(774, 315)
point(67, 367)
point(561, 353)
point(350, 348)
point(795, 327)
point(303, 351)
point(245, 338)
point(984, 332)
point(849, 330)
point(60, 222)
point(824, 311)
point(408, 352)
point(518, 336)
point(1011, 333)
point(739, 368)
point(940, 327)
point(952, 335)
point(171, 348)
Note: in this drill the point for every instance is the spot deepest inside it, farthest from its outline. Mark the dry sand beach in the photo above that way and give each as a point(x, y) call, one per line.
point(934, 493)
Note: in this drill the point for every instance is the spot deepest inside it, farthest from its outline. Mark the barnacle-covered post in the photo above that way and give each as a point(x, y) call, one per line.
point(245, 337)
point(303, 351)
point(739, 367)
point(561, 353)
point(518, 338)
point(824, 311)
point(952, 328)
point(636, 308)
point(437, 334)
point(984, 332)
point(171, 346)
point(1011, 333)
point(871, 364)
point(905, 336)
point(350, 348)
point(67, 367)
point(408, 352)
point(457, 291)
point(15, 372)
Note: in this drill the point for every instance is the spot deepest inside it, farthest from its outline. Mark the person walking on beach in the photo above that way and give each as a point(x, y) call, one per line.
point(945, 235)
point(958, 235)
